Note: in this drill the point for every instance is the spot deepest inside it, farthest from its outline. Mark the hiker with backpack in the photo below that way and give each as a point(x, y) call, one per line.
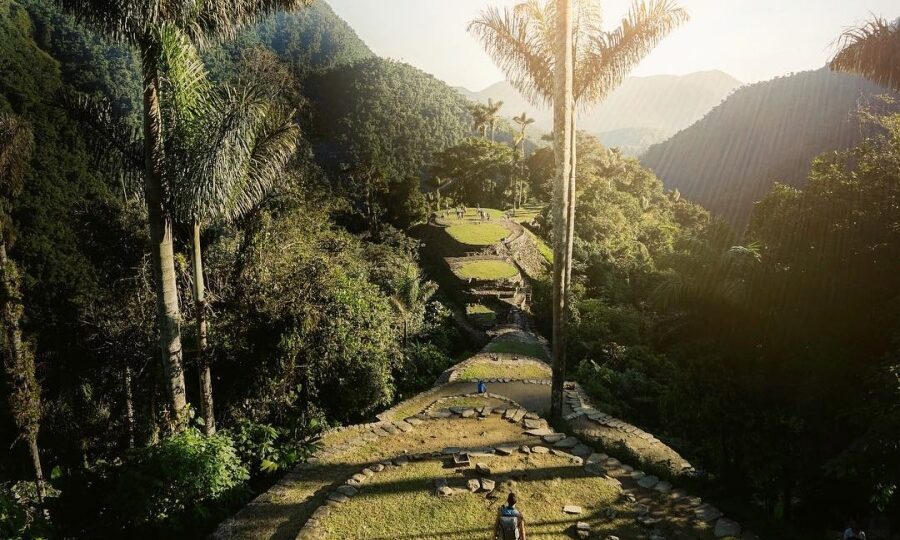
point(510, 523)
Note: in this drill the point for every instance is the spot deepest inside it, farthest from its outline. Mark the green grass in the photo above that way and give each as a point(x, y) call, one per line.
point(481, 314)
point(495, 370)
point(534, 350)
point(399, 503)
point(546, 250)
point(486, 269)
point(478, 234)
point(527, 213)
point(472, 402)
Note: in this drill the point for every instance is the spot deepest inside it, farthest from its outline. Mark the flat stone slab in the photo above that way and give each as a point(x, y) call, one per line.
point(403, 426)
point(663, 487)
point(487, 484)
point(572, 509)
point(413, 421)
point(450, 450)
point(485, 412)
point(505, 450)
point(338, 497)
point(568, 442)
point(390, 428)
point(482, 469)
point(440, 414)
point(540, 450)
point(533, 424)
point(538, 432)
point(648, 481)
point(582, 450)
point(401, 461)
point(347, 490)
point(553, 437)
point(473, 484)
point(468, 413)
point(707, 512)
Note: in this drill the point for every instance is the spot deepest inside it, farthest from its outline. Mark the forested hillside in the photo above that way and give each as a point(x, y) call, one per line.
point(763, 133)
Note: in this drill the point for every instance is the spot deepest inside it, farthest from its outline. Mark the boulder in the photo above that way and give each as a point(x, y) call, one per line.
point(726, 527)
point(473, 484)
point(482, 469)
point(347, 490)
point(487, 484)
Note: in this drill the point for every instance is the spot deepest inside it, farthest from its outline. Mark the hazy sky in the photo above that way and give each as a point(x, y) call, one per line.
point(750, 39)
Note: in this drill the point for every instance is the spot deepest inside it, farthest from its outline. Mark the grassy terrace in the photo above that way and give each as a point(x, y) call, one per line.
point(494, 370)
point(400, 503)
point(534, 350)
point(480, 314)
point(478, 234)
point(486, 269)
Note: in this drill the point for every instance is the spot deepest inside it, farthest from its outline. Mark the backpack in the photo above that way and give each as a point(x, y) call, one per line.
point(509, 523)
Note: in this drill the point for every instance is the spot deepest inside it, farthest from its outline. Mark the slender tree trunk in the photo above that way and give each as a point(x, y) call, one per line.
point(161, 251)
point(206, 393)
point(562, 120)
point(129, 405)
point(570, 210)
point(24, 396)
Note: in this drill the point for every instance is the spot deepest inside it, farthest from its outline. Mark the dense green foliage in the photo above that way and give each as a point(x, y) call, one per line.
point(774, 353)
point(301, 338)
point(478, 171)
point(762, 133)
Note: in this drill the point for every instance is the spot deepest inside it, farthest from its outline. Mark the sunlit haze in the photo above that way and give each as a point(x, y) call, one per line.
point(750, 40)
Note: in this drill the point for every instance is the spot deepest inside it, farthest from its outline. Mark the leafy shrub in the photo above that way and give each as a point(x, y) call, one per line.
point(422, 365)
point(267, 448)
point(175, 488)
point(20, 516)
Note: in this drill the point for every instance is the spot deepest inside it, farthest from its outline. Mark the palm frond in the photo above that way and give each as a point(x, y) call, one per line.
point(512, 39)
point(184, 80)
point(611, 55)
point(873, 51)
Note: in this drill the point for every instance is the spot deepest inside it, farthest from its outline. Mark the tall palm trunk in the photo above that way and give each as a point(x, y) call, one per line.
point(562, 120)
point(206, 395)
point(162, 255)
point(570, 211)
point(24, 395)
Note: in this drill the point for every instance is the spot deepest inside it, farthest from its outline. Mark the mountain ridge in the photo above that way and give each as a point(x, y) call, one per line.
point(663, 104)
point(764, 132)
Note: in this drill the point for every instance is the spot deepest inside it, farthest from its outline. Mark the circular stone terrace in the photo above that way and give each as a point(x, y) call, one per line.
point(440, 464)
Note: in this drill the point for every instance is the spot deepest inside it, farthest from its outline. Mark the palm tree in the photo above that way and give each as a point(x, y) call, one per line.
point(479, 118)
point(16, 143)
point(492, 115)
point(411, 297)
point(148, 26)
point(523, 122)
point(523, 42)
point(228, 150)
point(873, 51)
